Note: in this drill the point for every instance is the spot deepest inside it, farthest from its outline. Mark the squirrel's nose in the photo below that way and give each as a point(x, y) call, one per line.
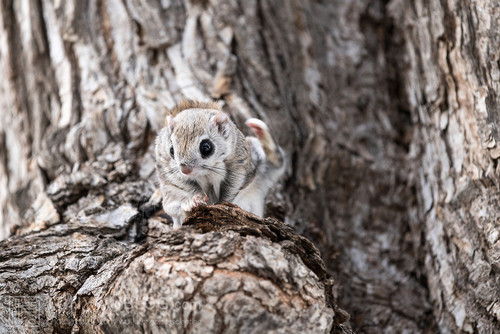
point(185, 169)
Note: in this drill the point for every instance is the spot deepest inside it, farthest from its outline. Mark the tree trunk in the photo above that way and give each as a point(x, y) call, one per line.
point(450, 84)
point(244, 274)
point(385, 110)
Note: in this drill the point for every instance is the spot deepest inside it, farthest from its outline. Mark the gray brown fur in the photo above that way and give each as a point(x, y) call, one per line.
point(237, 171)
point(190, 104)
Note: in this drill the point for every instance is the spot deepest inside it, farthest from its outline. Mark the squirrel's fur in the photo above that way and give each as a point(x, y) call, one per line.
point(237, 169)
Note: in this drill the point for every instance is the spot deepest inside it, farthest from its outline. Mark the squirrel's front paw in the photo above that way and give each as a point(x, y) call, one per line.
point(195, 201)
point(199, 200)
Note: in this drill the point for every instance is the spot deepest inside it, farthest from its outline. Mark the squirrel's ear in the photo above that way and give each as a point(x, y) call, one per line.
point(221, 121)
point(170, 123)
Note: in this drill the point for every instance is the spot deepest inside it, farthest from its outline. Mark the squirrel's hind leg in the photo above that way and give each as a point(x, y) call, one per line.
point(272, 152)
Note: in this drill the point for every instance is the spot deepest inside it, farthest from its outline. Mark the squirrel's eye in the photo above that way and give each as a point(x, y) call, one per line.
point(172, 151)
point(206, 148)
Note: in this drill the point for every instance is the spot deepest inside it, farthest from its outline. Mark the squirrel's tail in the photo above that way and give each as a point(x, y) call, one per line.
point(274, 154)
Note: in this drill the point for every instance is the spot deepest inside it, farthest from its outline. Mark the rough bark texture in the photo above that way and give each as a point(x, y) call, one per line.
point(255, 276)
point(450, 83)
point(387, 111)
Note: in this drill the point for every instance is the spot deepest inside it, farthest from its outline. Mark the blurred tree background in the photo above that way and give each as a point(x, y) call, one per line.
point(388, 111)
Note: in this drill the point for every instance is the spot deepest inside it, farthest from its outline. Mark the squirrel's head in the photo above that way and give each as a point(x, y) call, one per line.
point(196, 142)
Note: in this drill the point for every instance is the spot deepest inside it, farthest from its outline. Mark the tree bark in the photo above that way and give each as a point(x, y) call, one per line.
point(386, 111)
point(228, 271)
point(450, 84)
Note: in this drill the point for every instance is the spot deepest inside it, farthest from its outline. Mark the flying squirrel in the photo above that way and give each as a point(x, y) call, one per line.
point(203, 158)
